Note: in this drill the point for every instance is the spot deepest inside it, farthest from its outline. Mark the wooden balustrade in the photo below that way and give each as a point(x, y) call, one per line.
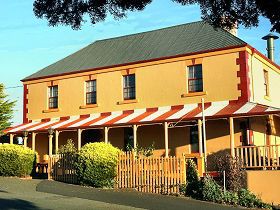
point(259, 157)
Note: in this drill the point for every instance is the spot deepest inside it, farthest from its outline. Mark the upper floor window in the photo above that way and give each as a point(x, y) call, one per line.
point(91, 92)
point(129, 87)
point(266, 84)
point(53, 97)
point(195, 81)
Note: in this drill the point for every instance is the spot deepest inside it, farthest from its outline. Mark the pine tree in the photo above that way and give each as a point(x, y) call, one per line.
point(6, 110)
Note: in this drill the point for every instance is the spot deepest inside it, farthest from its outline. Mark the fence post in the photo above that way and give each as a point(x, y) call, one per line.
point(49, 167)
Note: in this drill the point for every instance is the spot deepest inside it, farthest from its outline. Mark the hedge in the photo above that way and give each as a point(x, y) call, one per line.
point(96, 164)
point(16, 160)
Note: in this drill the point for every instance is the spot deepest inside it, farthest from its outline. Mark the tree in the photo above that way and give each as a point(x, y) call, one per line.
point(219, 13)
point(6, 110)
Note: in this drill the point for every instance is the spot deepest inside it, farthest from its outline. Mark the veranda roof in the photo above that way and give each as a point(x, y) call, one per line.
point(187, 112)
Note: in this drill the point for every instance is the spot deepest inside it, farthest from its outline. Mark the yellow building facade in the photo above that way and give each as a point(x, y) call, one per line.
point(165, 111)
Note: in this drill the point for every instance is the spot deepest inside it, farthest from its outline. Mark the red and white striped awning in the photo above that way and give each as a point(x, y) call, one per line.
point(177, 113)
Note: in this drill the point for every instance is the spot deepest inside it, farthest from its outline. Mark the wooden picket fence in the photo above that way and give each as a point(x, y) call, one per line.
point(61, 168)
point(145, 174)
point(151, 174)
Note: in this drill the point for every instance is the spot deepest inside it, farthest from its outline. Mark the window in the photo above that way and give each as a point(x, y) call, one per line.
point(53, 97)
point(91, 92)
point(195, 82)
point(266, 85)
point(129, 87)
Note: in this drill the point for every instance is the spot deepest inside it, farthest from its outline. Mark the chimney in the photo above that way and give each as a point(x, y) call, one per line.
point(270, 45)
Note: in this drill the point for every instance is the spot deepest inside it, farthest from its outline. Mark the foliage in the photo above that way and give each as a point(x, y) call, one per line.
point(96, 164)
point(193, 188)
point(250, 200)
point(16, 160)
point(6, 110)
point(139, 151)
point(230, 198)
point(219, 13)
point(233, 171)
point(211, 191)
point(182, 189)
point(208, 189)
point(68, 148)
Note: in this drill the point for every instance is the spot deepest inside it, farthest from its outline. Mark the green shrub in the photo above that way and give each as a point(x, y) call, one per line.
point(68, 148)
point(230, 198)
point(211, 191)
point(142, 151)
point(193, 187)
point(96, 164)
point(182, 189)
point(16, 160)
point(250, 200)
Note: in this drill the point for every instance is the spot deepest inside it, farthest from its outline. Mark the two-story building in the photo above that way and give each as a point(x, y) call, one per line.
point(147, 88)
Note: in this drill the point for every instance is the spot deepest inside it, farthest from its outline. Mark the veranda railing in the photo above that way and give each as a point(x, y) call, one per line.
point(259, 157)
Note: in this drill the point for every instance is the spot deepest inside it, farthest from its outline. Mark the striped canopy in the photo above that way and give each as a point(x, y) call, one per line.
point(176, 113)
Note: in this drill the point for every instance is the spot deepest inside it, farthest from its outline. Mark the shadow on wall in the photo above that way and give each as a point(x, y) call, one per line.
point(212, 165)
point(213, 158)
point(8, 204)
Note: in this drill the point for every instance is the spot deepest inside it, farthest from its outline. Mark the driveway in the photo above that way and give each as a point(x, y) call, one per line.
point(44, 194)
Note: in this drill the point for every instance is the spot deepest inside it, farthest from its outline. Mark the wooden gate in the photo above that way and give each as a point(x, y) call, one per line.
point(61, 168)
point(151, 174)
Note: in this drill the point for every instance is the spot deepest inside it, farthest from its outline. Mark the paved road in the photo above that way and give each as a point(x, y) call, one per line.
point(43, 194)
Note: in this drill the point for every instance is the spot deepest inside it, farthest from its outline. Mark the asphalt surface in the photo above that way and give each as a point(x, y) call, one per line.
point(44, 194)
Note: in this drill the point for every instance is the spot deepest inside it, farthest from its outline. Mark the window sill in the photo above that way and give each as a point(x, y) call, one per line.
point(128, 101)
point(185, 95)
point(50, 110)
point(267, 98)
point(89, 106)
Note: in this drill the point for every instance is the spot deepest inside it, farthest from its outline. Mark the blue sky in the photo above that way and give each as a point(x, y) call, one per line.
point(28, 44)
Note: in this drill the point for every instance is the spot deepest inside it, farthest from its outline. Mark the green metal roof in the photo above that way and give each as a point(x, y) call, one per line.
point(166, 42)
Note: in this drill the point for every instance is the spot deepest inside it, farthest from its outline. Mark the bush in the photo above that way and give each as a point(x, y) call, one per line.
point(230, 198)
point(193, 187)
point(250, 200)
point(233, 172)
point(96, 164)
point(142, 151)
point(211, 191)
point(68, 148)
point(16, 160)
